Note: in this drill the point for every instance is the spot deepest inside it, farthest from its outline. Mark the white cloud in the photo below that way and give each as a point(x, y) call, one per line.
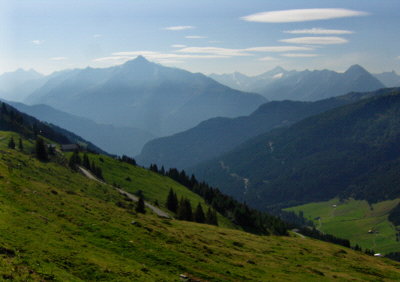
point(97, 35)
point(113, 58)
point(179, 27)
point(299, 55)
point(301, 15)
point(178, 46)
point(214, 51)
point(319, 31)
point(319, 40)
point(37, 42)
point(195, 37)
point(267, 59)
point(167, 58)
point(278, 49)
point(135, 53)
point(58, 58)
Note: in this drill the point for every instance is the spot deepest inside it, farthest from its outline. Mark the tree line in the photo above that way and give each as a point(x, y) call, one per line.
point(76, 160)
point(241, 214)
point(183, 210)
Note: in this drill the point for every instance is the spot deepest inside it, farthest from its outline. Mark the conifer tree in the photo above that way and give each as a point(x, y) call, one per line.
point(199, 214)
point(86, 161)
point(172, 201)
point(4, 109)
point(140, 205)
point(41, 152)
point(211, 217)
point(185, 210)
point(20, 145)
point(11, 143)
point(74, 160)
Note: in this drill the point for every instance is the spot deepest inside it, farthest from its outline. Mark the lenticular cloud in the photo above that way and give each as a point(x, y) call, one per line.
point(301, 15)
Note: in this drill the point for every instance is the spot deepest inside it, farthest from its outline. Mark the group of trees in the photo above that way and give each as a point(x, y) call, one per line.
point(183, 210)
point(127, 160)
point(75, 160)
point(11, 144)
point(248, 218)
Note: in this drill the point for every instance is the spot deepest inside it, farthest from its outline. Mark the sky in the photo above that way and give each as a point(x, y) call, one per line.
point(218, 36)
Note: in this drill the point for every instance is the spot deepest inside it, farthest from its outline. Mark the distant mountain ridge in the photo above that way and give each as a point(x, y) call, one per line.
point(18, 85)
point(389, 79)
point(350, 151)
point(279, 84)
point(145, 95)
point(113, 139)
point(216, 136)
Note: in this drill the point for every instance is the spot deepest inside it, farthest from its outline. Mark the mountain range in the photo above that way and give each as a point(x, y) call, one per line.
point(216, 136)
point(280, 84)
point(145, 95)
point(350, 151)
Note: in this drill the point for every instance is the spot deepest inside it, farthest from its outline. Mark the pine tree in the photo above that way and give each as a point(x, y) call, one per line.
point(11, 143)
point(140, 205)
point(74, 160)
point(41, 152)
point(172, 201)
point(20, 145)
point(86, 161)
point(185, 210)
point(4, 109)
point(211, 217)
point(199, 214)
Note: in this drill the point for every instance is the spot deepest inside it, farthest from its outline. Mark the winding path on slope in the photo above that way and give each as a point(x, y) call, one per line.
point(134, 198)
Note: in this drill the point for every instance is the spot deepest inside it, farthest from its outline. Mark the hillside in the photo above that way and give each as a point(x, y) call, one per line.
point(279, 84)
point(350, 151)
point(58, 225)
point(113, 139)
point(144, 95)
point(13, 120)
point(216, 136)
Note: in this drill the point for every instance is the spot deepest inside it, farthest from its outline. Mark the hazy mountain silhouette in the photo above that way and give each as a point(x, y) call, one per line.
point(145, 95)
point(279, 84)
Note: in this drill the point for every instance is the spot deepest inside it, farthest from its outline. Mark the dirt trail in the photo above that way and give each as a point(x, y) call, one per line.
point(134, 198)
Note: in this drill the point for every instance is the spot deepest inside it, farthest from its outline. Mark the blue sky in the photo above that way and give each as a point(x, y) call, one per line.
point(221, 36)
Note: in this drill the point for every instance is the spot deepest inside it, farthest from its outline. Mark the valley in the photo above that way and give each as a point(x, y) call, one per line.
point(364, 224)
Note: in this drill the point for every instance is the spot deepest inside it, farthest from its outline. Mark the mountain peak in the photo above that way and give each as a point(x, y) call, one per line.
point(278, 69)
point(356, 69)
point(140, 59)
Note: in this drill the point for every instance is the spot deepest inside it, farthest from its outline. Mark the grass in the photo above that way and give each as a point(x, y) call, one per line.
point(155, 187)
point(56, 224)
point(352, 219)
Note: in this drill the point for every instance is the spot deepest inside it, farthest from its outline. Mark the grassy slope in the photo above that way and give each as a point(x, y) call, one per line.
point(155, 187)
point(56, 224)
point(352, 219)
